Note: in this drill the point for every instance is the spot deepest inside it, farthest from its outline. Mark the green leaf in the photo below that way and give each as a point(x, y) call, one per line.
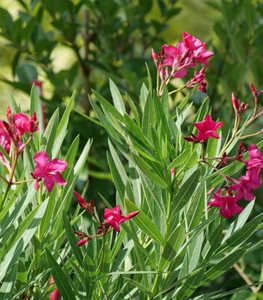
point(72, 240)
point(36, 106)
point(185, 193)
point(117, 98)
point(133, 110)
point(8, 286)
point(189, 286)
point(62, 126)
point(243, 234)
point(145, 223)
point(62, 280)
point(82, 159)
point(149, 171)
point(172, 245)
point(196, 207)
point(148, 118)
point(50, 131)
point(21, 238)
point(224, 264)
point(108, 106)
point(179, 160)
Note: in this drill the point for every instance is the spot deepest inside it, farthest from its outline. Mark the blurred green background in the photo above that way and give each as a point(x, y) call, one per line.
point(79, 44)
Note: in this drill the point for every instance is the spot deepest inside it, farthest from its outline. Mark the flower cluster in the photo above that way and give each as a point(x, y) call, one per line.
point(13, 130)
point(112, 219)
point(227, 198)
point(174, 61)
point(241, 188)
point(12, 140)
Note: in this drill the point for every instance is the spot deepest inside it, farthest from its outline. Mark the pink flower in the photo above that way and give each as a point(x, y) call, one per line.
point(5, 140)
point(173, 61)
point(255, 157)
point(17, 125)
point(198, 79)
point(191, 42)
point(202, 55)
point(243, 188)
point(55, 295)
point(48, 170)
point(227, 203)
point(23, 124)
point(207, 128)
point(245, 184)
point(114, 217)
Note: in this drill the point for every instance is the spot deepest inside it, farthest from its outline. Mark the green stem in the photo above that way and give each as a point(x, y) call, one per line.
point(23, 181)
point(5, 195)
point(102, 256)
point(12, 172)
point(217, 170)
point(5, 180)
point(177, 90)
point(157, 82)
point(155, 285)
point(250, 135)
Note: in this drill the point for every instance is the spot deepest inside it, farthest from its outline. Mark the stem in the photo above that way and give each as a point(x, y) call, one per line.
point(155, 284)
point(5, 180)
point(157, 81)
point(102, 253)
point(234, 133)
point(23, 181)
point(242, 274)
point(5, 195)
point(39, 196)
point(177, 90)
point(250, 135)
point(12, 172)
point(217, 170)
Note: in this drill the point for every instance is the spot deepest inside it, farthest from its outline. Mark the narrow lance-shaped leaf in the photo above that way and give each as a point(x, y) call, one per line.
point(145, 223)
point(62, 280)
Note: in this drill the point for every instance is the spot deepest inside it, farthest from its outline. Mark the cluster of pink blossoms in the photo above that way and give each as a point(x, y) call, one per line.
point(227, 198)
point(12, 134)
point(13, 130)
point(112, 219)
point(242, 188)
point(173, 61)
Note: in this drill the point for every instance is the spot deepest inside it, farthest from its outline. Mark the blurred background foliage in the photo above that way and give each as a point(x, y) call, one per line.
point(79, 44)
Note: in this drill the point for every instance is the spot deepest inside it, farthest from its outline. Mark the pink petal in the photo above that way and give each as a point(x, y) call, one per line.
point(57, 165)
point(80, 200)
point(57, 178)
point(55, 295)
point(131, 215)
point(22, 123)
point(81, 242)
point(49, 183)
point(180, 74)
point(41, 158)
point(36, 185)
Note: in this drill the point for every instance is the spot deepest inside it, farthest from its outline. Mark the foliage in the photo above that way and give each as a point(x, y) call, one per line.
point(177, 247)
point(32, 221)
